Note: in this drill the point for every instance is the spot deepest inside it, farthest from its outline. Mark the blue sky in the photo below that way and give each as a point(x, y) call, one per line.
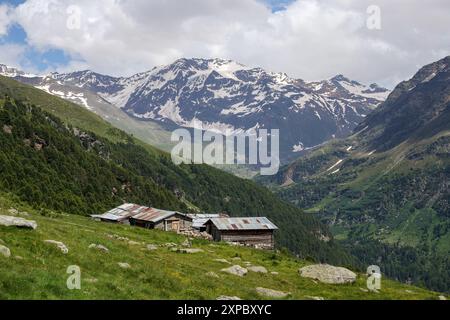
point(33, 59)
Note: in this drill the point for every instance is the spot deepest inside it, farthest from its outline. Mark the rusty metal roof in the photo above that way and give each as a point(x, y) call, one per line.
point(128, 210)
point(154, 215)
point(120, 213)
point(248, 223)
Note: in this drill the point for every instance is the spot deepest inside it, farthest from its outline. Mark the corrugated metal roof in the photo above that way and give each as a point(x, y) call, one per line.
point(154, 215)
point(128, 210)
point(198, 220)
point(248, 223)
point(120, 213)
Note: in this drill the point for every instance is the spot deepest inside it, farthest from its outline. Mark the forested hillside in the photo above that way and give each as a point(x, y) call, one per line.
point(385, 191)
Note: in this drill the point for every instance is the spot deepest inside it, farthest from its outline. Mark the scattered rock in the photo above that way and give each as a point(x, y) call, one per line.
point(274, 273)
point(91, 280)
point(152, 247)
point(187, 250)
point(409, 291)
point(328, 274)
point(169, 244)
point(4, 251)
point(133, 243)
point(115, 236)
point(18, 258)
point(258, 269)
point(223, 260)
point(9, 221)
point(236, 259)
point(61, 246)
point(212, 274)
point(196, 234)
point(228, 298)
point(186, 243)
point(443, 298)
point(124, 265)
point(98, 247)
point(236, 270)
point(364, 290)
point(13, 211)
point(247, 263)
point(315, 298)
point(234, 244)
point(271, 293)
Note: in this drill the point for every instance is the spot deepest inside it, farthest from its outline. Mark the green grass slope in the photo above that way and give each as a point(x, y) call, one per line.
point(38, 270)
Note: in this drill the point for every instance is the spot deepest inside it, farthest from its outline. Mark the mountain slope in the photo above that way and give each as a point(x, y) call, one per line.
point(38, 270)
point(83, 165)
point(225, 95)
point(385, 191)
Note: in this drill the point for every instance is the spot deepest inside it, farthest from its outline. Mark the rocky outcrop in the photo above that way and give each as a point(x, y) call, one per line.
point(9, 221)
point(328, 274)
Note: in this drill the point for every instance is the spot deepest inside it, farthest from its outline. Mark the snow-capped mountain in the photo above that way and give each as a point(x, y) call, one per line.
point(226, 96)
point(12, 72)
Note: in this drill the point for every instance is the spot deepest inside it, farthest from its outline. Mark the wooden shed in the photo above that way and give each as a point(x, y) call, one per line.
point(252, 231)
point(152, 218)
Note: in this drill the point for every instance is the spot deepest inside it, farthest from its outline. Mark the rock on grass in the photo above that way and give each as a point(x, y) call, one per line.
point(228, 298)
point(257, 269)
point(9, 221)
point(271, 293)
point(4, 251)
point(328, 274)
point(61, 246)
point(236, 270)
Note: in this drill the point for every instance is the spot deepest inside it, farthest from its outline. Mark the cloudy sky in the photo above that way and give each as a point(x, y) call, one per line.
point(308, 39)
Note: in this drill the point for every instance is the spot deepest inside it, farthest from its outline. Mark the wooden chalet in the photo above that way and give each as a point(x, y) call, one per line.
point(251, 231)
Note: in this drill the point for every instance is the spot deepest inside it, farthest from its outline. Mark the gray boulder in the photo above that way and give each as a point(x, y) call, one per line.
point(236, 270)
point(152, 247)
point(4, 251)
point(61, 246)
point(328, 274)
point(9, 221)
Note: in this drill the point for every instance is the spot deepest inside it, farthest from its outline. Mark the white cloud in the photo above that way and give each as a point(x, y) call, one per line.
point(5, 19)
point(11, 54)
point(311, 39)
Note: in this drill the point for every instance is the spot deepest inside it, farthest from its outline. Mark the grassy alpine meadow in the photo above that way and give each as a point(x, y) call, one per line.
point(39, 270)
